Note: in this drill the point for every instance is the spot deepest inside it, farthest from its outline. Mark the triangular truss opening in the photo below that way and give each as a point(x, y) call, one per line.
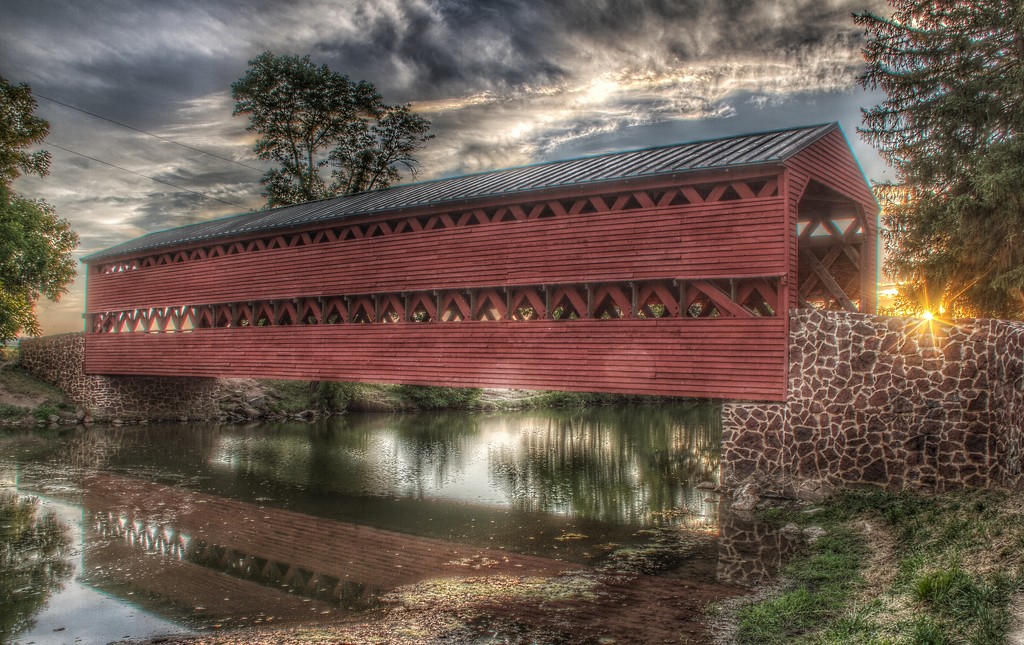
point(490, 306)
point(362, 311)
point(611, 302)
point(730, 195)
point(568, 303)
point(335, 312)
point(391, 311)
point(310, 313)
point(454, 307)
point(527, 304)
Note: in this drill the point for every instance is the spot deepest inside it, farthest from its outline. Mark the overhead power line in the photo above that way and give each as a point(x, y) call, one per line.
point(139, 174)
point(156, 136)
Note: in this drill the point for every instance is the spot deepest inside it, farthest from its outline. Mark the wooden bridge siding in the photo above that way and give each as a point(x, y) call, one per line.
point(830, 163)
point(727, 239)
point(720, 358)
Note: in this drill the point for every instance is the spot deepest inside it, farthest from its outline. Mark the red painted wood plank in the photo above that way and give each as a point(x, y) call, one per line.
point(506, 261)
point(673, 357)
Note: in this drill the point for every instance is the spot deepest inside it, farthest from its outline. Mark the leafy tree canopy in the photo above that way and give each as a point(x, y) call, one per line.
point(951, 125)
point(19, 129)
point(327, 134)
point(36, 260)
point(36, 246)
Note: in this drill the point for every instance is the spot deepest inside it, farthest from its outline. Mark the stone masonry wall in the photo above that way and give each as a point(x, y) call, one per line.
point(894, 402)
point(60, 361)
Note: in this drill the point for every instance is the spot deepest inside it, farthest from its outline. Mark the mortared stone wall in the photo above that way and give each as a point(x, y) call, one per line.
point(894, 402)
point(60, 360)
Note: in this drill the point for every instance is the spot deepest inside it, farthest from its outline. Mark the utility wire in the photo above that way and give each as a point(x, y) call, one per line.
point(160, 181)
point(157, 136)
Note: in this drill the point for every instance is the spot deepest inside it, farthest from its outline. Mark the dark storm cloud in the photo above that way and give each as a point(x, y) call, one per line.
point(430, 50)
point(223, 190)
point(130, 61)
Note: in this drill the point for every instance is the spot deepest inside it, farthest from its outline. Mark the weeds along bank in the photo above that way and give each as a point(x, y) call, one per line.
point(27, 400)
point(245, 399)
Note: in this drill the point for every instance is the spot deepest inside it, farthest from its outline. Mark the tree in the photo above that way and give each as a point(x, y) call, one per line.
point(19, 129)
point(952, 127)
point(311, 120)
point(36, 246)
point(36, 260)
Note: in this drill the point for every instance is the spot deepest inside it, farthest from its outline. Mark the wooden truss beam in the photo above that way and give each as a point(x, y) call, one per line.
point(744, 297)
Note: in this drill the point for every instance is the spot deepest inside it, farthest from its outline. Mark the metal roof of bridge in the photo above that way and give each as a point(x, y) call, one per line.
point(726, 152)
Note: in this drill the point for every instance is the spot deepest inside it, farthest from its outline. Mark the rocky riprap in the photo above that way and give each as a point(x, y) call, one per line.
point(243, 400)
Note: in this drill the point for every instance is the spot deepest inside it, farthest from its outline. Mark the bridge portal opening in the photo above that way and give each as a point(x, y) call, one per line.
point(836, 269)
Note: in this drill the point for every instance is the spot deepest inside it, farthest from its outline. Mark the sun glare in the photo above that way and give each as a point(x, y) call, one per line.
point(927, 315)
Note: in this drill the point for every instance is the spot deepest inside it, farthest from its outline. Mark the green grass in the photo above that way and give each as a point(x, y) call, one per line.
point(957, 561)
point(821, 584)
point(293, 397)
point(976, 606)
point(328, 396)
point(44, 398)
point(587, 400)
point(45, 410)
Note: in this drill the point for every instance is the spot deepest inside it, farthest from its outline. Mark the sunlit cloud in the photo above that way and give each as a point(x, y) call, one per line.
point(523, 124)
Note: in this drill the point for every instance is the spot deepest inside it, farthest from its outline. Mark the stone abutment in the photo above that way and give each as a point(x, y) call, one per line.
point(60, 360)
point(892, 402)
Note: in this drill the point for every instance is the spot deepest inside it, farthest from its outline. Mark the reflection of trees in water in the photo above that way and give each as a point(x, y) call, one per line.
point(616, 465)
point(432, 447)
point(33, 562)
point(380, 454)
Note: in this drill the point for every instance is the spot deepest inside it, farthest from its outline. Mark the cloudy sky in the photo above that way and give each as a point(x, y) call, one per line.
point(504, 82)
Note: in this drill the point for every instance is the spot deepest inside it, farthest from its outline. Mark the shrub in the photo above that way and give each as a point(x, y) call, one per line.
point(332, 396)
point(44, 410)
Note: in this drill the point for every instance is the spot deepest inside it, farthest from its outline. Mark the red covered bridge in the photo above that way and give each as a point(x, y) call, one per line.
point(662, 271)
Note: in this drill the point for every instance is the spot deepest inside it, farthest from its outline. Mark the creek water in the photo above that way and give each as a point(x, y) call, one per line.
point(181, 528)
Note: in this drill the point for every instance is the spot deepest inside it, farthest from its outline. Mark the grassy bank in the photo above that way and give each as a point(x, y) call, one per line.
point(897, 568)
point(25, 399)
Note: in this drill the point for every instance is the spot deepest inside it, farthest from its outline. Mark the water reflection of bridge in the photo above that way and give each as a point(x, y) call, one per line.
point(222, 558)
